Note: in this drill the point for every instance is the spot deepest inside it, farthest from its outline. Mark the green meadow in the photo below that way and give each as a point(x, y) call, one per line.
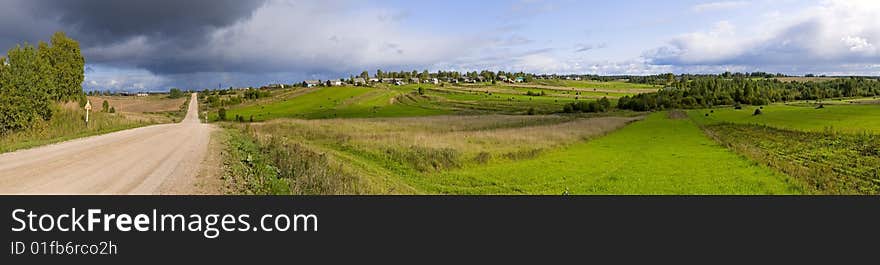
point(656, 156)
point(851, 118)
point(511, 155)
point(398, 101)
point(332, 102)
point(504, 139)
point(834, 149)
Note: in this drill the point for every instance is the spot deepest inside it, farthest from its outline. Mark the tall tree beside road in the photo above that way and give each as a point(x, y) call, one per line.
point(24, 88)
point(32, 78)
point(65, 57)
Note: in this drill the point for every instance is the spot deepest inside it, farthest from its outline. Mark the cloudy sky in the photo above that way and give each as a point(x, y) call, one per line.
point(158, 44)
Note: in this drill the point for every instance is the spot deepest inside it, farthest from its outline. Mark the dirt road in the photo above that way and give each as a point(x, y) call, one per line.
point(159, 159)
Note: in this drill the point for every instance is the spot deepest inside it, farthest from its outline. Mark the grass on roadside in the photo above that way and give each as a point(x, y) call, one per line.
point(66, 124)
point(275, 166)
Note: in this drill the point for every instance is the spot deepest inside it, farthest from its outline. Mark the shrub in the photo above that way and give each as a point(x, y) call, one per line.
point(758, 112)
point(26, 88)
point(175, 93)
point(535, 94)
point(601, 105)
point(221, 114)
point(523, 154)
point(105, 107)
point(483, 158)
point(112, 109)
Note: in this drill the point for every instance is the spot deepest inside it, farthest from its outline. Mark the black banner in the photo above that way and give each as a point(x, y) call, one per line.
point(416, 229)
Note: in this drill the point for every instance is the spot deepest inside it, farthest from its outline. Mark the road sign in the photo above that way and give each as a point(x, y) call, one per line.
point(88, 108)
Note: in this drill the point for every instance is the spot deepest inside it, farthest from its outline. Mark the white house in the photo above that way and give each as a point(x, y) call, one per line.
point(311, 83)
point(334, 82)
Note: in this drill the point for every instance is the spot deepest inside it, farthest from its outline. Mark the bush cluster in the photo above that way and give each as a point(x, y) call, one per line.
point(601, 105)
point(32, 78)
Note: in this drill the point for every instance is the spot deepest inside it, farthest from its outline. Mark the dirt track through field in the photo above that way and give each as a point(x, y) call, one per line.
point(159, 159)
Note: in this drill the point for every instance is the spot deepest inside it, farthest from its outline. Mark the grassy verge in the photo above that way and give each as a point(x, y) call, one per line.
point(273, 165)
point(67, 124)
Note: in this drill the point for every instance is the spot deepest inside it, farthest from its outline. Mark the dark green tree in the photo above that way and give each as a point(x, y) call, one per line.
point(25, 83)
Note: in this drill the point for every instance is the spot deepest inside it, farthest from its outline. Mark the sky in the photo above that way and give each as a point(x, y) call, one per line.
point(159, 44)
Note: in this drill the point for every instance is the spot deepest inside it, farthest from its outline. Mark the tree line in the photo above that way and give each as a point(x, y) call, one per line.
point(706, 91)
point(32, 78)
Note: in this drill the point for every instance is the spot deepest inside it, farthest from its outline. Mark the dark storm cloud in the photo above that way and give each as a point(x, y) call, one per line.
point(161, 43)
point(148, 34)
point(105, 21)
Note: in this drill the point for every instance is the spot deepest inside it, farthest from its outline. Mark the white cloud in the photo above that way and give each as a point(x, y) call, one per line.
point(826, 36)
point(715, 6)
point(589, 47)
point(330, 36)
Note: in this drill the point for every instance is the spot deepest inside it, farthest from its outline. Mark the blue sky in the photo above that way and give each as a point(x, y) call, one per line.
point(251, 43)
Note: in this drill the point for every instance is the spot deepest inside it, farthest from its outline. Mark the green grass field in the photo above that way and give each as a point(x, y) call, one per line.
point(656, 156)
point(852, 118)
point(332, 102)
point(831, 150)
point(474, 139)
point(529, 155)
point(824, 162)
point(399, 101)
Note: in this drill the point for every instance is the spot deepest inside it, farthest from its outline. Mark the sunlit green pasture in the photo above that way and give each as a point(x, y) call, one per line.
point(655, 156)
point(854, 118)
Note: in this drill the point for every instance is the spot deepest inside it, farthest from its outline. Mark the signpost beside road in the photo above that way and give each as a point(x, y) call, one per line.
point(88, 108)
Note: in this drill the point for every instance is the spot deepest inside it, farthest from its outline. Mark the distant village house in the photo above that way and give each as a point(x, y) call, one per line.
point(311, 83)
